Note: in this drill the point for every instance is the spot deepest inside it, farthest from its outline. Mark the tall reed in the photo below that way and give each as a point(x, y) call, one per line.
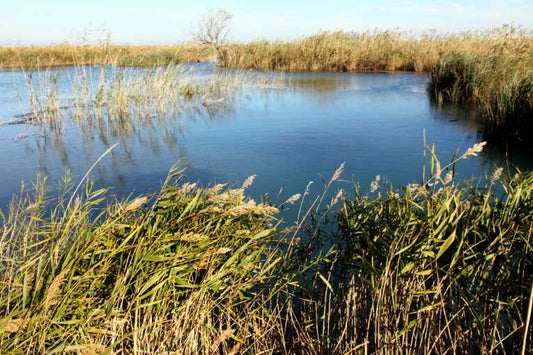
point(378, 50)
point(499, 81)
point(439, 267)
point(171, 271)
point(131, 95)
point(102, 54)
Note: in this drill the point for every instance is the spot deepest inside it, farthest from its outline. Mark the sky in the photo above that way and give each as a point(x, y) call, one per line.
point(40, 22)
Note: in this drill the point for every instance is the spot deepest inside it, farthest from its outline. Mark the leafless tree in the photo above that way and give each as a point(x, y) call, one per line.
point(213, 29)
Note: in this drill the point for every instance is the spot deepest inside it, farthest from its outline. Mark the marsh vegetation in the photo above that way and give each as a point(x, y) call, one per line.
point(112, 93)
point(437, 267)
point(102, 54)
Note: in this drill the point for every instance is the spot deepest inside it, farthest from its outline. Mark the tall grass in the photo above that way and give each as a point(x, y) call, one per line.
point(388, 50)
point(336, 51)
point(102, 54)
point(499, 81)
point(131, 95)
point(433, 268)
point(167, 272)
point(439, 267)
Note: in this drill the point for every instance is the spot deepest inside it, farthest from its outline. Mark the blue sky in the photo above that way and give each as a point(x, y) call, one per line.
point(37, 22)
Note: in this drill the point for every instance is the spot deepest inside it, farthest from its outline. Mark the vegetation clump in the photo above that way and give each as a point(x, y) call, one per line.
point(499, 83)
point(128, 96)
point(168, 272)
point(431, 268)
point(439, 267)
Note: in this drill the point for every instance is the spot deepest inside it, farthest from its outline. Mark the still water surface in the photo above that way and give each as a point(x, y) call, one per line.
point(288, 136)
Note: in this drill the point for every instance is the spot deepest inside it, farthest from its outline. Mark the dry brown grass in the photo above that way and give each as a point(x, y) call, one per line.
point(371, 50)
point(65, 54)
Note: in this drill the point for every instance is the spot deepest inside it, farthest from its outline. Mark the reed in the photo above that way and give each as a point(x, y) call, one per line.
point(171, 271)
point(443, 266)
point(498, 81)
point(102, 54)
point(378, 50)
point(114, 94)
point(437, 267)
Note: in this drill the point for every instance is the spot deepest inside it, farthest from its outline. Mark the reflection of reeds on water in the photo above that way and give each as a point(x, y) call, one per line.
point(321, 85)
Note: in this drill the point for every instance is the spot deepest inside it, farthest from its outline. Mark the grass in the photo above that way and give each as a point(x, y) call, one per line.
point(440, 267)
point(379, 50)
point(66, 54)
point(444, 266)
point(130, 96)
point(165, 272)
point(499, 83)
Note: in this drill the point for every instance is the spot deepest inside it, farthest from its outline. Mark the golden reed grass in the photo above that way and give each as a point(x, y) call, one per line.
point(378, 50)
point(442, 266)
point(66, 54)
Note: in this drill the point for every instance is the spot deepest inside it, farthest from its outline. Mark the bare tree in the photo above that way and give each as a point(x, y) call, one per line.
point(213, 29)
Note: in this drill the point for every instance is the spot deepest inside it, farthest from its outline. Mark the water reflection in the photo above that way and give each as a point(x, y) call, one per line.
point(76, 144)
point(319, 85)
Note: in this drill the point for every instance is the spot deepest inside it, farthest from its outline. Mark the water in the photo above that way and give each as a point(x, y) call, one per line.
point(288, 136)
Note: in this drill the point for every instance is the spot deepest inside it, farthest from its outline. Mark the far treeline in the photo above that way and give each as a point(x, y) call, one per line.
point(491, 70)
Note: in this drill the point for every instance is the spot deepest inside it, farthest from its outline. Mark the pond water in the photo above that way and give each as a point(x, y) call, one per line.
point(288, 135)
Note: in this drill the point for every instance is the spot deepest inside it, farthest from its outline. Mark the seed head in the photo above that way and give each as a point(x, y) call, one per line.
point(293, 198)
point(496, 175)
point(472, 152)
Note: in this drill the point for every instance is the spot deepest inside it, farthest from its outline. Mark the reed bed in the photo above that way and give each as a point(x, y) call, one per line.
point(388, 50)
point(102, 54)
point(443, 266)
point(438, 267)
point(167, 272)
point(132, 95)
point(498, 81)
